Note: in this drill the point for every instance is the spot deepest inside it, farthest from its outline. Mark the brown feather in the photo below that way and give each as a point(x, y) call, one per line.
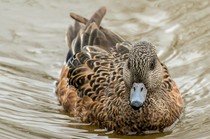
point(92, 85)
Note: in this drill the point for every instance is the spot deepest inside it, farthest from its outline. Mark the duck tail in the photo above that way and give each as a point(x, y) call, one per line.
point(96, 17)
point(89, 33)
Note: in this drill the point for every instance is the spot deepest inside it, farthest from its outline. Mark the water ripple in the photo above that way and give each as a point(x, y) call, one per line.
point(32, 51)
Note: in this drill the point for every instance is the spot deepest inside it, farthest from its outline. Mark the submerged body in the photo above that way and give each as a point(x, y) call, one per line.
point(116, 84)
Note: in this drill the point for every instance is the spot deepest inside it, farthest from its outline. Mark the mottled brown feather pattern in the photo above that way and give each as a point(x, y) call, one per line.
point(91, 83)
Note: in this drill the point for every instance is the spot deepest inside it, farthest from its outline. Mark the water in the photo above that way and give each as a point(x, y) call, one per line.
point(32, 51)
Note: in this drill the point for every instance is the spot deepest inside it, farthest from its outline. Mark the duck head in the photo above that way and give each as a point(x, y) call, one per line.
point(142, 73)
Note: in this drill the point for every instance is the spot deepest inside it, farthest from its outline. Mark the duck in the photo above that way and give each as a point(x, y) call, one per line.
point(116, 84)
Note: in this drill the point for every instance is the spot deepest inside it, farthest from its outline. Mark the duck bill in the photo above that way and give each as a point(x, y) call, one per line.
point(137, 95)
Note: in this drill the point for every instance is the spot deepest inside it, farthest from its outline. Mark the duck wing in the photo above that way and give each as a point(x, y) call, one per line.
point(89, 33)
point(93, 68)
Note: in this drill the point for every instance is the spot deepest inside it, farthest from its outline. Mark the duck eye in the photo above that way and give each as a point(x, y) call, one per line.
point(128, 64)
point(152, 64)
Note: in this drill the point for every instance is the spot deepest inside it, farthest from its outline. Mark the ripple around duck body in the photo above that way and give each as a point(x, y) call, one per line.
point(32, 51)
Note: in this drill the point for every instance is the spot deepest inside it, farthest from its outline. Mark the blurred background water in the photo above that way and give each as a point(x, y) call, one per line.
point(32, 51)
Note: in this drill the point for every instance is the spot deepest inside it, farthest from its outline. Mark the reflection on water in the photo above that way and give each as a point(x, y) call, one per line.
point(32, 49)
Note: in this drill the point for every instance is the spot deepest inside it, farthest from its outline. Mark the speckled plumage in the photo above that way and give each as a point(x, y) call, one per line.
point(100, 68)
